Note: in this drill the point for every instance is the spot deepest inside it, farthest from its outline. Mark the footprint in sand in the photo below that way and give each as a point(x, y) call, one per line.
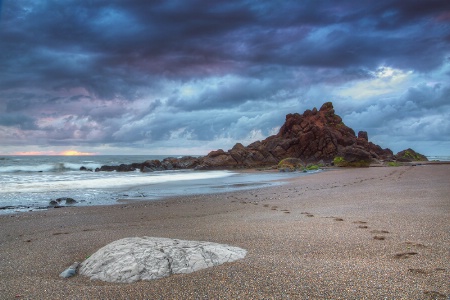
point(379, 231)
point(309, 215)
point(418, 271)
point(415, 244)
point(335, 218)
point(435, 295)
point(379, 237)
point(405, 255)
point(361, 224)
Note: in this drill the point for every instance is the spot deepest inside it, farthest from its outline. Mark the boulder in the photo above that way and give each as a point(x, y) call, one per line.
point(83, 168)
point(409, 155)
point(151, 165)
point(185, 162)
point(291, 164)
point(145, 258)
point(59, 201)
point(120, 168)
point(353, 156)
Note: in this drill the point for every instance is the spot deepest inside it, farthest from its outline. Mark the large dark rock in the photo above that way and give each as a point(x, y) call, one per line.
point(353, 156)
point(120, 168)
point(312, 136)
point(151, 165)
point(315, 135)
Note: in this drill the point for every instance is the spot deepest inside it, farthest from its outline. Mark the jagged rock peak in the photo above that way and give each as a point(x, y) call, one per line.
point(363, 135)
point(327, 106)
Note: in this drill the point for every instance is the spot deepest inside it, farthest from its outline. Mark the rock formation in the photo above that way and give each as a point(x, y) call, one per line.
point(132, 259)
point(314, 136)
point(409, 155)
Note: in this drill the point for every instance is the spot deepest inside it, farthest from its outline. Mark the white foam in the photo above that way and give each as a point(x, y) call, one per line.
point(87, 165)
point(53, 167)
point(87, 180)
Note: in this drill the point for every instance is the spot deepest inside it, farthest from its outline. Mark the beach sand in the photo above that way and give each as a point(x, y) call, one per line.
point(369, 233)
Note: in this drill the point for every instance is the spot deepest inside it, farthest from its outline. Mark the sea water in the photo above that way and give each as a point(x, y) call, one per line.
point(30, 182)
point(439, 158)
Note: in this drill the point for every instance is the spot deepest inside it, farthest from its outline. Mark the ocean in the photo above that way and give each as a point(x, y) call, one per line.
point(29, 183)
point(438, 158)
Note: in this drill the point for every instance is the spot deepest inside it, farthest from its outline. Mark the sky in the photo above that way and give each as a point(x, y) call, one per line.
point(185, 77)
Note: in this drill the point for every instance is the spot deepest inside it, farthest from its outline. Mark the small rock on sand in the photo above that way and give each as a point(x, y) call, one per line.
point(70, 271)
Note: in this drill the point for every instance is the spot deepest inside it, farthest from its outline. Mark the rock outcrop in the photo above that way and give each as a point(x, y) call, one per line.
point(314, 136)
point(132, 259)
point(410, 155)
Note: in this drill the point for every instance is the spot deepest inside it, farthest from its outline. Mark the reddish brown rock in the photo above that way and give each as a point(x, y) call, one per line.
point(363, 135)
point(313, 136)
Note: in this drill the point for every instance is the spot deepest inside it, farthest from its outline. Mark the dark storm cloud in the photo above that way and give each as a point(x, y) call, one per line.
point(16, 119)
point(108, 45)
point(112, 71)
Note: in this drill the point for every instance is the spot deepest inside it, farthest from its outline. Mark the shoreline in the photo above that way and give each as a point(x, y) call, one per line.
point(186, 182)
point(346, 233)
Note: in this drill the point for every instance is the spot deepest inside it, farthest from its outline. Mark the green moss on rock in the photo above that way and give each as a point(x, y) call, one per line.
point(340, 161)
point(410, 155)
point(290, 164)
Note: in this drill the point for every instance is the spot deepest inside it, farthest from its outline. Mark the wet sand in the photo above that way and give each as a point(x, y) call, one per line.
point(342, 234)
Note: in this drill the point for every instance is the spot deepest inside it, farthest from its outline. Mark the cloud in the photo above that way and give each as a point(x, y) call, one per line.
point(17, 119)
point(161, 73)
point(421, 113)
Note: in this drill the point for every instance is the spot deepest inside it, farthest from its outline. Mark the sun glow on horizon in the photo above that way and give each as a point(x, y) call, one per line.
point(62, 153)
point(75, 153)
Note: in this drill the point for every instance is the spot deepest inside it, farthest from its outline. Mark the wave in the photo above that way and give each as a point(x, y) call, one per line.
point(438, 157)
point(117, 180)
point(54, 167)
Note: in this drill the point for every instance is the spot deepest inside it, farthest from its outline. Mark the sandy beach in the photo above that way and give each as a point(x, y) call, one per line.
point(370, 233)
